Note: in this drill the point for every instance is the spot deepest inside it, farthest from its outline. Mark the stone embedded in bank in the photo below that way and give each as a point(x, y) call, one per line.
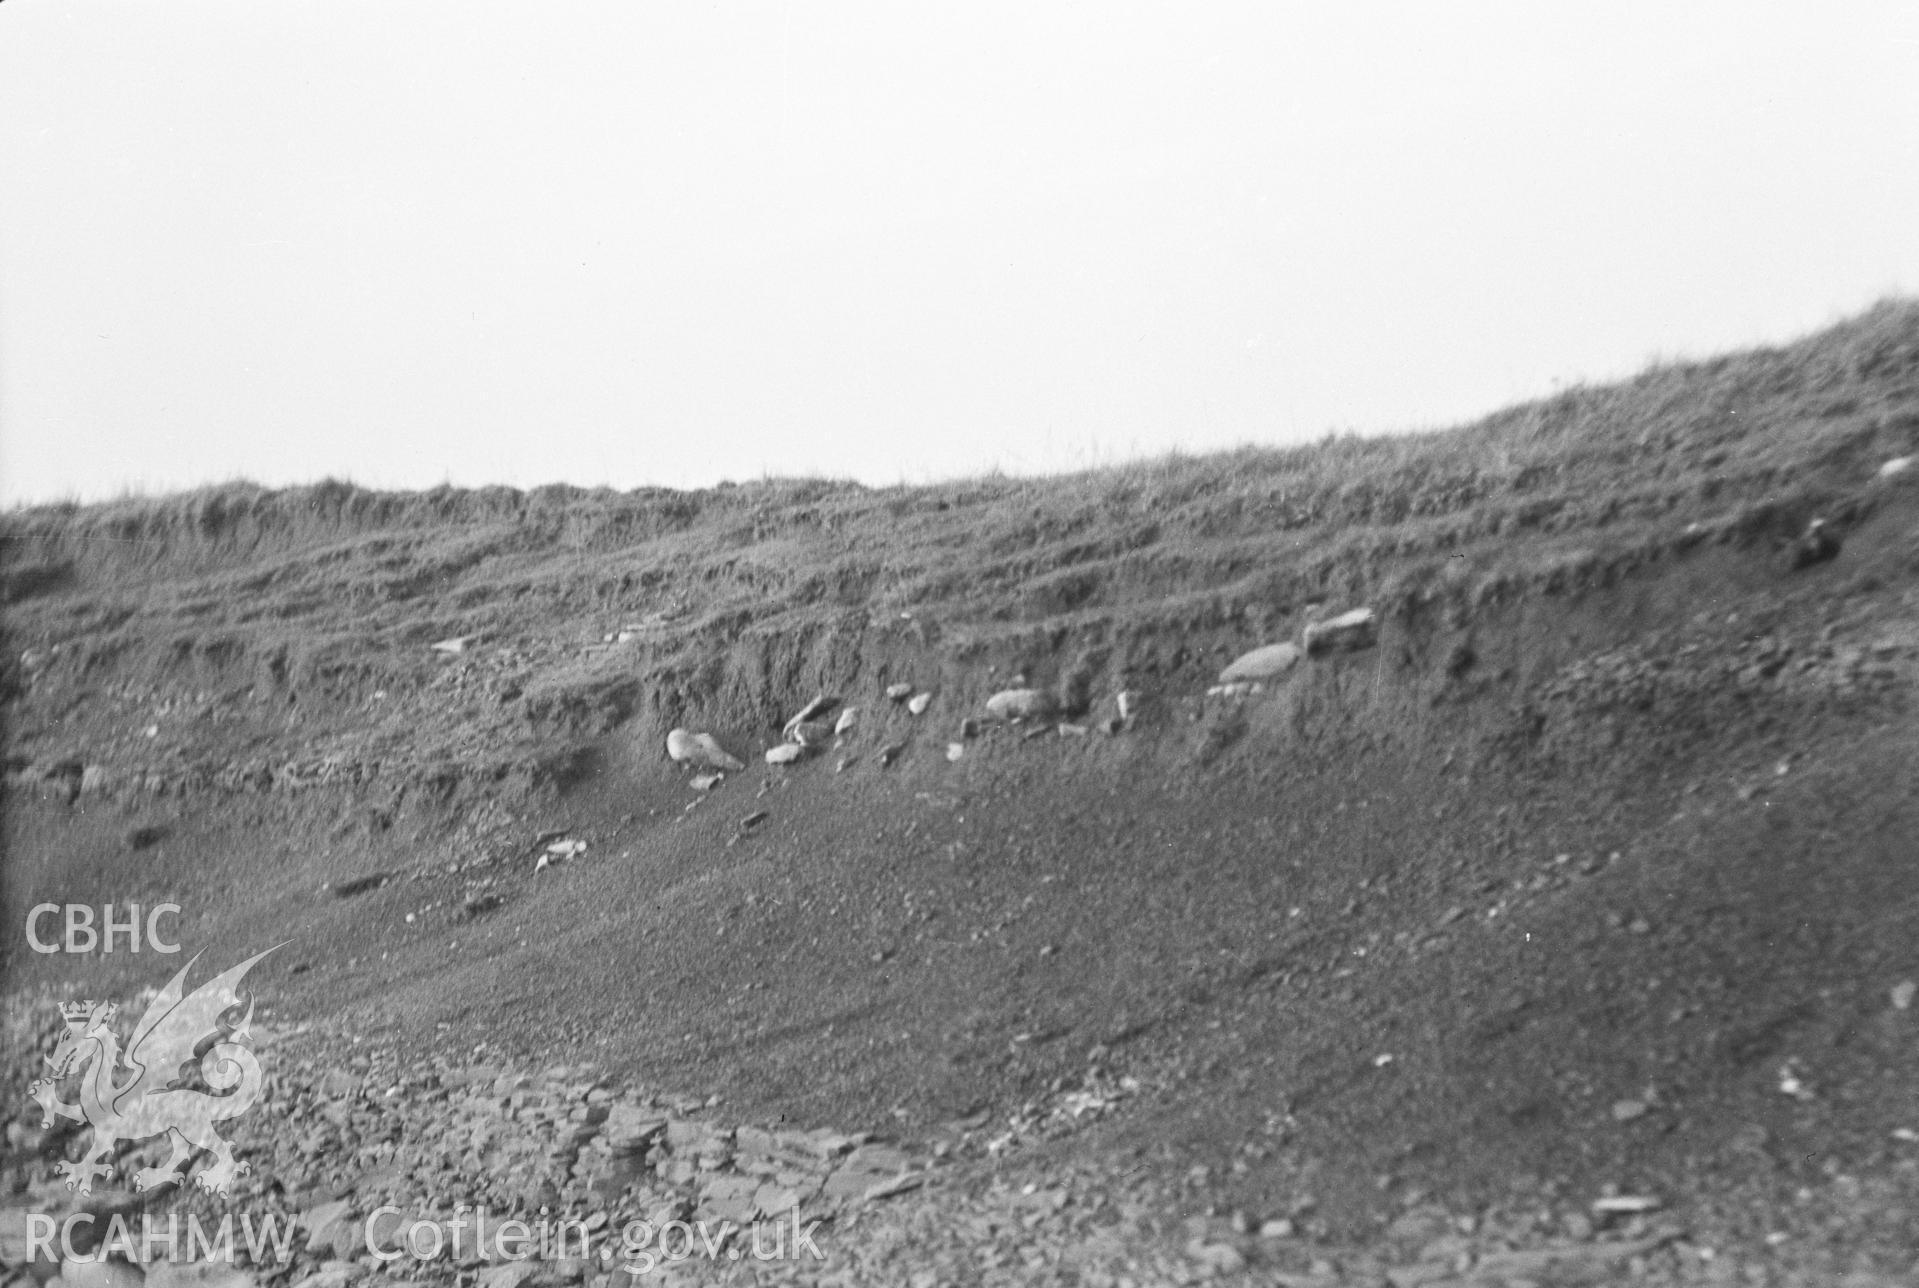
point(703, 749)
point(1021, 704)
point(1265, 663)
point(807, 714)
point(809, 733)
point(1346, 633)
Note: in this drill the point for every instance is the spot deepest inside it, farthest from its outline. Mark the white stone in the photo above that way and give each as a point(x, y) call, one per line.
point(919, 703)
point(700, 749)
point(1020, 704)
point(1266, 663)
point(1355, 629)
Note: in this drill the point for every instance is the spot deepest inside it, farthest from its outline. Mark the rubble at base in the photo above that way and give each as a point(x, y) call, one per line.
point(345, 1137)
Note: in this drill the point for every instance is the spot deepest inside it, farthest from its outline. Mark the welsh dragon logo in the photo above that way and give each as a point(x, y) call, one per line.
point(174, 1033)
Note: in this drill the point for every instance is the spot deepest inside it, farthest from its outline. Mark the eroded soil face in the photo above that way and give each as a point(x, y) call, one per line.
point(1583, 874)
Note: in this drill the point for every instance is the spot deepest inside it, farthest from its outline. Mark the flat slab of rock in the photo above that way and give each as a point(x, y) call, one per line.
point(1348, 632)
point(630, 1130)
point(730, 1198)
point(757, 1142)
point(1265, 663)
point(855, 1182)
point(880, 1158)
point(697, 1136)
point(775, 1200)
point(1531, 1263)
point(1021, 704)
point(787, 753)
point(897, 1185)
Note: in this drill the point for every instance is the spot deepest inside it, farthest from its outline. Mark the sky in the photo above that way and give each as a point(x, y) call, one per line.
point(630, 243)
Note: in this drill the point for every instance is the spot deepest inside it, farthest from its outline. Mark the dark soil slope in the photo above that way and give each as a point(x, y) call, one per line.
point(1607, 837)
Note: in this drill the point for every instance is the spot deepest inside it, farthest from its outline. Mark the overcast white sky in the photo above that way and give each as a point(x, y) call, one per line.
point(415, 241)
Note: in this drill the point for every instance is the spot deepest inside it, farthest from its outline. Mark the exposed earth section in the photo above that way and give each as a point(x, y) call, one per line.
point(1319, 863)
